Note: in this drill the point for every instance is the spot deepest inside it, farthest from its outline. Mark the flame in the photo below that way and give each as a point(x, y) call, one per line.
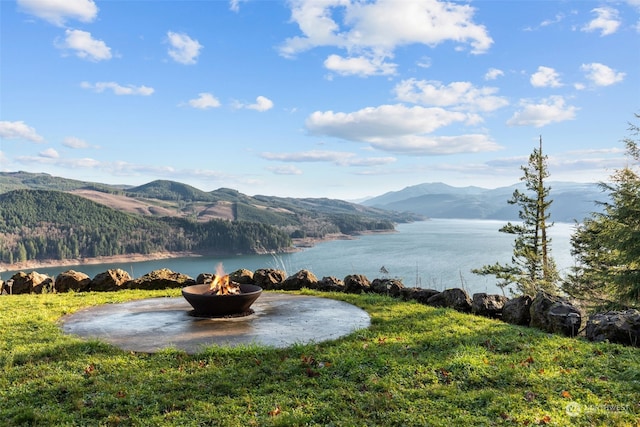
point(222, 284)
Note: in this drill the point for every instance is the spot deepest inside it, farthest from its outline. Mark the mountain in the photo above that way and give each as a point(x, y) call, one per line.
point(571, 201)
point(10, 181)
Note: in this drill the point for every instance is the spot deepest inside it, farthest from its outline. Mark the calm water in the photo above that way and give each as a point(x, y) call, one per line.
point(438, 254)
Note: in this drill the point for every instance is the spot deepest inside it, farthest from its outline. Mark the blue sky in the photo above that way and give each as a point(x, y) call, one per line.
point(307, 98)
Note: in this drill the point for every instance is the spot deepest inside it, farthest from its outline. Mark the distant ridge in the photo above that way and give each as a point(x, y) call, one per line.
point(571, 201)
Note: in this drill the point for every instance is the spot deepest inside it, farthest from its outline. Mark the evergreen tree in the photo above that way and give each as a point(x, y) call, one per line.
point(532, 268)
point(607, 244)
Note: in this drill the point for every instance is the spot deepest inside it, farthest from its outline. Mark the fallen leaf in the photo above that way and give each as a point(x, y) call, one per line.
point(528, 361)
point(545, 420)
point(529, 396)
point(275, 412)
point(311, 373)
point(121, 394)
point(566, 394)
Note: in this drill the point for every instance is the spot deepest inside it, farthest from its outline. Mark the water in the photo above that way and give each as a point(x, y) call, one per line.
point(438, 254)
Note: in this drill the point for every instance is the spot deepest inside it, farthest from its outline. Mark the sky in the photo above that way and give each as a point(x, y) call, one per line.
point(344, 99)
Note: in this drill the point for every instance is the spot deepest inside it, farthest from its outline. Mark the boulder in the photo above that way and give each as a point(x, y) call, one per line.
point(356, 283)
point(161, 279)
point(110, 280)
point(330, 284)
point(418, 294)
point(455, 298)
point(31, 283)
point(302, 279)
point(242, 276)
point(72, 280)
point(392, 287)
point(517, 311)
point(204, 278)
point(268, 278)
point(622, 327)
point(555, 314)
point(488, 305)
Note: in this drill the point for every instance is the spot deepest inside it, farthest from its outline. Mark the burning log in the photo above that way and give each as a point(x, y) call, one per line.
point(221, 284)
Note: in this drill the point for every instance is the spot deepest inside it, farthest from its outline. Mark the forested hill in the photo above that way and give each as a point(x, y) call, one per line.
point(41, 224)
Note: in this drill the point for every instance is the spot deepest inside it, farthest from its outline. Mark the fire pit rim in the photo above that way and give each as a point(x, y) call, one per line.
point(220, 305)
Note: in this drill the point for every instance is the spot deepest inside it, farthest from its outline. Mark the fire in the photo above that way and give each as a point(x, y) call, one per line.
point(222, 284)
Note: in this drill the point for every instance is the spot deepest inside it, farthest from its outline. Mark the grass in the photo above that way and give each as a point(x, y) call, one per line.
point(415, 366)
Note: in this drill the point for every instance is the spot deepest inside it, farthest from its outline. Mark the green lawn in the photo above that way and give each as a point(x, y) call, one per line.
point(415, 366)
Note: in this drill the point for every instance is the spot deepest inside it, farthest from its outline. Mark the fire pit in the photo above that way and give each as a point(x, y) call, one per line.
point(206, 304)
point(220, 296)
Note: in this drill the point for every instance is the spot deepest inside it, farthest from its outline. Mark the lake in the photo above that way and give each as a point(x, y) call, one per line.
point(438, 254)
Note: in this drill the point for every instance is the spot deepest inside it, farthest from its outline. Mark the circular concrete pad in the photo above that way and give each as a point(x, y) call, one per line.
point(279, 320)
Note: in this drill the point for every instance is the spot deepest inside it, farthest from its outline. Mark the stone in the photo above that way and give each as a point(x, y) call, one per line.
point(356, 283)
point(30, 283)
point(161, 279)
point(242, 276)
point(110, 280)
point(517, 311)
point(302, 279)
point(391, 287)
point(555, 314)
point(418, 294)
point(622, 327)
point(330, 284)
point(72, 280)
point(268, 278)
point(488, 305)
point(204, 278)
point(456, 298)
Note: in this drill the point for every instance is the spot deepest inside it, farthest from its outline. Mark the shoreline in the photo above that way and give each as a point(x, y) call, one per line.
point(298, 245)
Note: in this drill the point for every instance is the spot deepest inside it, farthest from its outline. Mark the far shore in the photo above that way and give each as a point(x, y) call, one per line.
point(298, 244)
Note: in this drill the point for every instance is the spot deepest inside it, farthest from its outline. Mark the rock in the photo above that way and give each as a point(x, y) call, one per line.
point(204, 278)
point(242, 276)
point(356, 283)
point(302, 279)
point(516, 311)
point(72, 280)
point(31, 283)
point(418, 294)
point(161, 279)
point(455, 298)
point(622, 327)
point(392, 287)
point(555, 314)
point(268, 278)
point(110, 280)
point(330, 284)
point(488, 305)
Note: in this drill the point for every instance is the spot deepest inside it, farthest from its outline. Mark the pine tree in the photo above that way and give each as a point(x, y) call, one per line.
point(532, 268)
point(607, 244)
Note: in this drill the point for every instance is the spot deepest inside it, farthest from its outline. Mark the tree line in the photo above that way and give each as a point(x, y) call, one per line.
point(39, 224)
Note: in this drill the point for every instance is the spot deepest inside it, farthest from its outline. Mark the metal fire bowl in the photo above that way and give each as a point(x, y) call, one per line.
point(220, 305)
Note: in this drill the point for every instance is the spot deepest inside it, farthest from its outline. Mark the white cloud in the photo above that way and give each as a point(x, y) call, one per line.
point(398, 128)
point(601, 75)
point(204, 101)
point(371, 31)
point(285, 170)
point(184, 49)
point(57, 12)
point(85, 46)
point(550, 110)
point(460, 95)
point(262, 104)
point(545, 77)
point(117, 88)
point(493, 73)
point(339, 158)
point(360, 66)
point(73, 142)
point(49, 153)
point(19, 130)
point(234, 5)
point(607, 21)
